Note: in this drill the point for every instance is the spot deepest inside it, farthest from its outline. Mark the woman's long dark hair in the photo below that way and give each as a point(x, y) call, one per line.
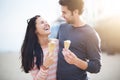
point(31, 48)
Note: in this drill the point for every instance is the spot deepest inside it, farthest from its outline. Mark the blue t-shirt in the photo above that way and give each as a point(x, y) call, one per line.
point(85, 44)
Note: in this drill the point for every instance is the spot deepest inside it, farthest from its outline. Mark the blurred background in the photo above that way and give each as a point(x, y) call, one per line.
point(103, 15)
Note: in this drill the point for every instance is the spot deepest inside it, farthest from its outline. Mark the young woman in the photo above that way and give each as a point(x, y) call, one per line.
point(35, 57)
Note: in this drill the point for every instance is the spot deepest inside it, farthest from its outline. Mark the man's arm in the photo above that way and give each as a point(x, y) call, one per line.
point(92, 65)
point(71, 58)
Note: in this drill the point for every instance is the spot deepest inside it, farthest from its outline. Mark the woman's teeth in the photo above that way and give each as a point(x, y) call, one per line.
point(46, 29)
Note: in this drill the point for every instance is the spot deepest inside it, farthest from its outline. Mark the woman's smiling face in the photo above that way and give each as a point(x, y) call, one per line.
point(42, 27)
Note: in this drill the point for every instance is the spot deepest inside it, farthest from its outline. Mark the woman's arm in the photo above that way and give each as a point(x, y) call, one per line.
point(39, 74)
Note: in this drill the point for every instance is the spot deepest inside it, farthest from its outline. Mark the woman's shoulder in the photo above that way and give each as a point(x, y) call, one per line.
point(54, 40)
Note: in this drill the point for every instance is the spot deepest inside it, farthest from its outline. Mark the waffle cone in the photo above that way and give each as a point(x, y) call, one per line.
point(67, 44)
point(51, 46)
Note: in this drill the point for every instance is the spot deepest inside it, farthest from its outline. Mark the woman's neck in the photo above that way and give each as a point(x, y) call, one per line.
point(43, 41)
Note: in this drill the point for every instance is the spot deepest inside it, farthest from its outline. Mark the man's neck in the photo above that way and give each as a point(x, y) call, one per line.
point(78, 22)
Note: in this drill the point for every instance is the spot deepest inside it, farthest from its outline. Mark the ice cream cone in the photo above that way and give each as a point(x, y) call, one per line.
point(67, 44)
point(51, 46)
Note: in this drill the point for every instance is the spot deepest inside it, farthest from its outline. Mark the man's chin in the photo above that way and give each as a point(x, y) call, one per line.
point(69, 22)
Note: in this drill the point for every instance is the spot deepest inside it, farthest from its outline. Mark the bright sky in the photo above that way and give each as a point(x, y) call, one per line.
point(111, 6)
point(13, 16)
point(14, 13)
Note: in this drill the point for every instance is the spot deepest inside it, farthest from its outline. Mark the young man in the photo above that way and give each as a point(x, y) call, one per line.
point(84, 52)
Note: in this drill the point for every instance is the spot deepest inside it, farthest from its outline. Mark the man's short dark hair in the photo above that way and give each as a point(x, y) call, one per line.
point(73, 4)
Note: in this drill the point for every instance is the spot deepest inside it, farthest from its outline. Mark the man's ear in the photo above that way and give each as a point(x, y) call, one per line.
point(76, 12)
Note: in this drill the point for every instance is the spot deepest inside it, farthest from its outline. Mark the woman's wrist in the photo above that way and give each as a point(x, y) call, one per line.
point(44, 67)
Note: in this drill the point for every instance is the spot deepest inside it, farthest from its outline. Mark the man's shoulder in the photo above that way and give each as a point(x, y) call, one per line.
point(88, 29)
point(64, 24)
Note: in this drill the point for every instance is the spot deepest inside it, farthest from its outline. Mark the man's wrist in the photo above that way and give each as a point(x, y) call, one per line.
point(76, 61)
